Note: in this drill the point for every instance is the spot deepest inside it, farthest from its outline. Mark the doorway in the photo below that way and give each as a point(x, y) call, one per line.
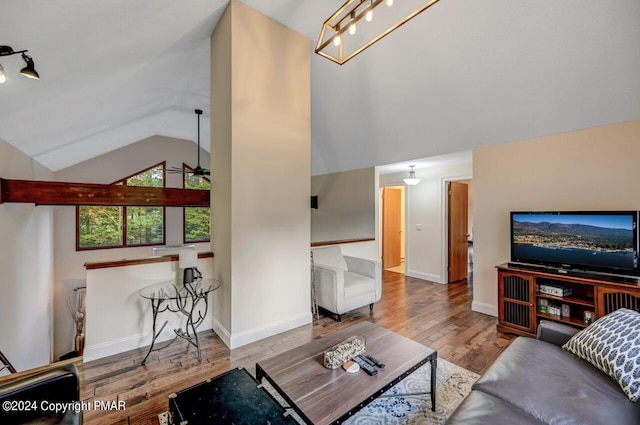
point(393, 228)
point(459, 230)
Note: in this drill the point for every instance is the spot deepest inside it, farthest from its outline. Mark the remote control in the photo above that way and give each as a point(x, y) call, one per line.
point(368, 360)
point(375, 361)
point(364, 365)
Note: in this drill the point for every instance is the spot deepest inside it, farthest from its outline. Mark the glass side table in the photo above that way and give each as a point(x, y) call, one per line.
point(178, 298)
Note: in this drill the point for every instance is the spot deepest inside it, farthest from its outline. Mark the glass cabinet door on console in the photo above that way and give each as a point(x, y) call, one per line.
point(516, 307)
point(613, 298)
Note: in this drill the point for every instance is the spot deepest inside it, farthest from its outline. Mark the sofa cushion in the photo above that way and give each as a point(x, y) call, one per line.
point(357, 284)
point(330, 256)
point(556, 387)
point(612, 344)
point(483, 409)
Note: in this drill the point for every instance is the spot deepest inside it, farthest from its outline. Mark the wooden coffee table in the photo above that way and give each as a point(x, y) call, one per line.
point(325, 396)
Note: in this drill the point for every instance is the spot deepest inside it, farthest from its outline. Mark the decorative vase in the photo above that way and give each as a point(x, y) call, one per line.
point(79, 343)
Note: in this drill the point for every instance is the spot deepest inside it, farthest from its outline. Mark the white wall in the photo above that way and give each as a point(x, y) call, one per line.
point(119, 319)
point(346, 205)
point(370, 250)
point(264, 139)
point(105, 169)
point(26, 262)
point(426, 202)
point(591, 169)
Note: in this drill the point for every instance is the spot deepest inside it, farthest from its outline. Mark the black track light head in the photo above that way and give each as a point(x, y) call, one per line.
point(29, 71)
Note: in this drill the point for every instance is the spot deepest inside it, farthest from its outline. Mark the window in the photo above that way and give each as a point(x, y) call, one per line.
point(118, 227)
point(197, 220)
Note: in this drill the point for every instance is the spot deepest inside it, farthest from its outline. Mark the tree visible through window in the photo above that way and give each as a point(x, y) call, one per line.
point(108, 227)
point(197, 220)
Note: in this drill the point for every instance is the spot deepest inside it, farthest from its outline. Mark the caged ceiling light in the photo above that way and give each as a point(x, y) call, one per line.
point(28, 71)
point(339, 41)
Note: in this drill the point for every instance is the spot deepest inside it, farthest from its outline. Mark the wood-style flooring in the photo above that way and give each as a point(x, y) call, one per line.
point(436, 315)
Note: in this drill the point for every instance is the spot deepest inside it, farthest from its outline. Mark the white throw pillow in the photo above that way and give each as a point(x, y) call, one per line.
point(612, 344)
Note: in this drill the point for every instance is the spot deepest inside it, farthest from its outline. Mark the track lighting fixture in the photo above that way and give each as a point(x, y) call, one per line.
point(28, 71)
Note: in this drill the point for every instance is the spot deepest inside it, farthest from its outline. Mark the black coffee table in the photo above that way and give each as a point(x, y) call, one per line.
point(231, 398)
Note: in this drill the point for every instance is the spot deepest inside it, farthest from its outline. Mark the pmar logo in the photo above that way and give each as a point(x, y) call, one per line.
point(109, 405)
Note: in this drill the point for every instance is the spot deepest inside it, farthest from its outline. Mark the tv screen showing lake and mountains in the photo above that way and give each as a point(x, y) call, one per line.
point(591, 240)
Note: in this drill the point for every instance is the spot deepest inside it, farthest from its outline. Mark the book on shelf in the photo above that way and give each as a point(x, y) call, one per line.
point(555, 310)
point(555, 290)
point(543, 305)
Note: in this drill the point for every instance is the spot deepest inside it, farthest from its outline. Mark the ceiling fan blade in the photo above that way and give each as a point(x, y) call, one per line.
point(176, 170)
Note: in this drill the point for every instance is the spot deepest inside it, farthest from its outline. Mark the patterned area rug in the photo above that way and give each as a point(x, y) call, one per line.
point(453, 383)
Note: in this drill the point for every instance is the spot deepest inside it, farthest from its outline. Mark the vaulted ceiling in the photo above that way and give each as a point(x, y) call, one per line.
point(462, 74)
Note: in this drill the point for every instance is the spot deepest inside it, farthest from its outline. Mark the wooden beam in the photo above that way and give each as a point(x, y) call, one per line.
point(61, 193)
point(92, 265)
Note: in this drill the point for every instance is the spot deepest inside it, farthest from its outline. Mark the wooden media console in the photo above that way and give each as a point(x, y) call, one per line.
point(522, 304)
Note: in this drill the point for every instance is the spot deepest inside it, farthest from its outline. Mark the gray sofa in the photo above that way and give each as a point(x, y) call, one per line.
point(31, 398)
point(537, 382)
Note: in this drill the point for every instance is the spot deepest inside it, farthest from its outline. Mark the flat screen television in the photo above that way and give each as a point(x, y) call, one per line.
point(592, 241)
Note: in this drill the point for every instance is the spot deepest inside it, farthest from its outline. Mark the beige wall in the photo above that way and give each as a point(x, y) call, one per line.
point(69, 263)
point(346, 205)
point(26, 262)
point(264, 136)
point(221, 169)
point(591, 169)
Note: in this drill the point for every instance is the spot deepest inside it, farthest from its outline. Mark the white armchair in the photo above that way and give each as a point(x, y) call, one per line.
point(344, 283)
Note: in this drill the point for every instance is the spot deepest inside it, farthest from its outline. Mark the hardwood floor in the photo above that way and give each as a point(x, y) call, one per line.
point(436, 315)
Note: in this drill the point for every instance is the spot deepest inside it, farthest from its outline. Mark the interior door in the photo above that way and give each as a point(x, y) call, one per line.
point(458, 231)
point(391, 227)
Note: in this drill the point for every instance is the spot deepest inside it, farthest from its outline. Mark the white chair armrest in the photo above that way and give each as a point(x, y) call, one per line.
point(361, 266)
point(329, 286)
point(368, 268)
point(327, 268)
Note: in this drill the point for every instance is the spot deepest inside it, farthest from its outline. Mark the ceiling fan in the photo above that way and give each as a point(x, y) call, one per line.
point(198, 171)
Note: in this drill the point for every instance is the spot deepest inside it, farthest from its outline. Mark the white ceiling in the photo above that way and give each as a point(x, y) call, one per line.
point(462, 74)
point(455, 158)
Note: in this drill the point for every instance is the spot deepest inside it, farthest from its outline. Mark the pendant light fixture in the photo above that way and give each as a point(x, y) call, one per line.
point(338, 41)
point(412, 180)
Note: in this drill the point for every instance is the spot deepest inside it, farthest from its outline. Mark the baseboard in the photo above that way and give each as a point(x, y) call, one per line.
point(98, 351)
point(256, 334)
point(222, 332)
point(485, 308)
point(105, 349)
point(425, 276)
